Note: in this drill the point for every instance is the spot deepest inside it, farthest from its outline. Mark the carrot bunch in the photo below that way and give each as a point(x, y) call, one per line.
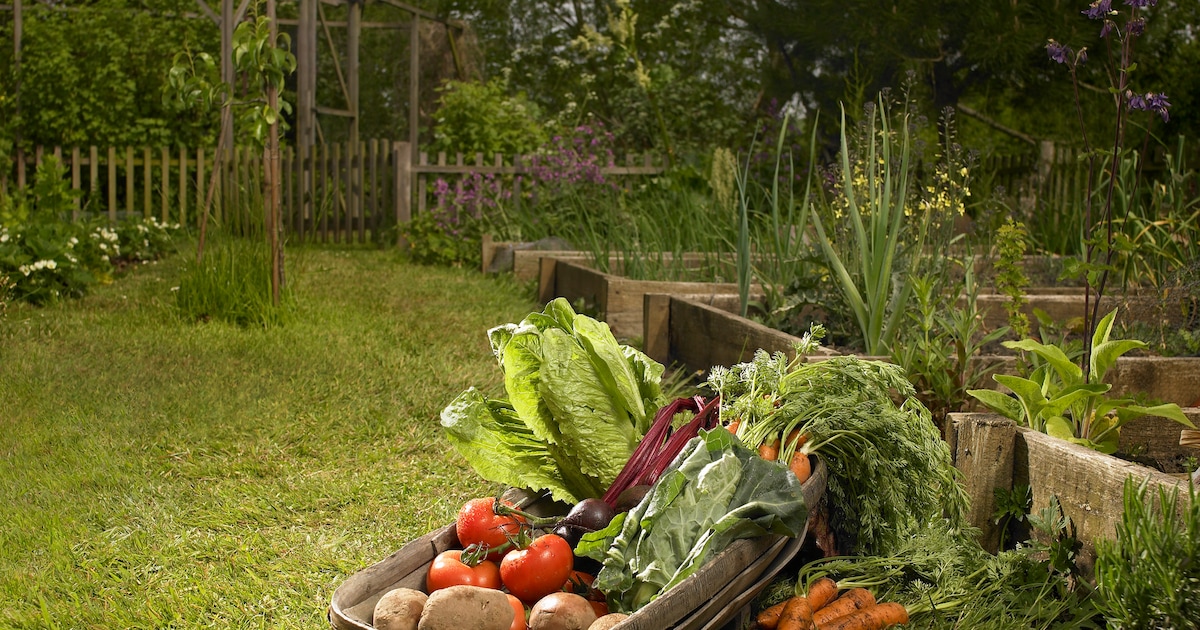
point(826, 607)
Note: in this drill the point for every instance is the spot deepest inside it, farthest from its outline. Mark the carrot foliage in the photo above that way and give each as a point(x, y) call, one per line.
point(890, 473)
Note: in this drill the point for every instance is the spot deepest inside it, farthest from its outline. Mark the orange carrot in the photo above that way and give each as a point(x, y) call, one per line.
point(769, 450)
point(733, 426)
point(769, 618)
point(797, 615)
point(875, 617)
point(850, 601)
point(800, 466)
point(797, 437)
point(821, 593)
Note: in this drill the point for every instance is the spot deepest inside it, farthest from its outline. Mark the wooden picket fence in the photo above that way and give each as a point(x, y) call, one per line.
point(332, 194)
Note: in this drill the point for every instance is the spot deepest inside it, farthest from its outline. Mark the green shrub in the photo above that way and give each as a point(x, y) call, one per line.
point(233, 284)
point(443, 236)
point(481, 117)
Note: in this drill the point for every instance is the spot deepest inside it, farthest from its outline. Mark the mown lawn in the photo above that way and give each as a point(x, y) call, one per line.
point(157, 473)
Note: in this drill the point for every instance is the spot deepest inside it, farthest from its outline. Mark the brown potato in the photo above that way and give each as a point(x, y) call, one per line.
point(399, 609)
point(609, 621)
point(461, 607)
point(561, 611)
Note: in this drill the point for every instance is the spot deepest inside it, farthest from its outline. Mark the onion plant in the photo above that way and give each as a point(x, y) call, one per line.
point(872, 199)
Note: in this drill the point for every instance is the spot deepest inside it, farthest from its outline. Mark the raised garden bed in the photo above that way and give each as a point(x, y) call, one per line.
point(992, 452)
point(702, 333)
point(524, 259)
point(617, 300)
point(717, 596)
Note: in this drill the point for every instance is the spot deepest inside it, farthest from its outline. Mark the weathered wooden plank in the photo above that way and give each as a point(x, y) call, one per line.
point(983, 453)
point(129, 179)
point(112, 184)
point(702, 335)
point(75, 183)
point(183, 187)
point(165, 174)
point(146, 170)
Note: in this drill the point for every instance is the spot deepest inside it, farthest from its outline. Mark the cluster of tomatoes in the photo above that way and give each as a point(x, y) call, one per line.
point(502, 551)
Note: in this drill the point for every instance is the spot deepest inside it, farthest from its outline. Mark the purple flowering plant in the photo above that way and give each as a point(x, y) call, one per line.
point(1120, 29)
point(567, 165)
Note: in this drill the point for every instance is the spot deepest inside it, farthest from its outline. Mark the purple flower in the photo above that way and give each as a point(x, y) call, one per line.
point(1107, 28)
point(1141, 3)
point(1058, 52)
point(1151, 102)
point(1136, 26)
point(1100, 9)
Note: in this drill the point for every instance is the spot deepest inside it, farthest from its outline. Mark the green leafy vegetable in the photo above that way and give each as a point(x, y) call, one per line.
point(578, 404)
point(890, 473)
point(715, 492)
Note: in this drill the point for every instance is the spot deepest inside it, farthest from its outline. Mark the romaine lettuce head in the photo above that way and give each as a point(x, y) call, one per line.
point(584, 398)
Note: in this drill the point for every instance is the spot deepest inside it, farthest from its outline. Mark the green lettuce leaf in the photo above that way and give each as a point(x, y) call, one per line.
point(584, 398)
point(716, 491)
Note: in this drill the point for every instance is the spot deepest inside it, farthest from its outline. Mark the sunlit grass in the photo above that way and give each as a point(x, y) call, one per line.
point(159, 473)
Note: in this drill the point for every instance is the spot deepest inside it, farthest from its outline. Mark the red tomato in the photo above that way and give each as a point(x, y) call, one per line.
point(601, 608)
point(478, 524)
point(539, 569)
point(447, 569)
point(519, 611)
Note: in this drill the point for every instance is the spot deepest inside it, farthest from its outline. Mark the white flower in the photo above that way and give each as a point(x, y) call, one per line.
point(24, 269)
point(73, 242)
point(4, 237)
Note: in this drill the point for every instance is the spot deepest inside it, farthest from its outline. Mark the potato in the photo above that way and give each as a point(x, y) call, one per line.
point(462, 607)
point(561, 611)
point(608, 621)
point(399, 609)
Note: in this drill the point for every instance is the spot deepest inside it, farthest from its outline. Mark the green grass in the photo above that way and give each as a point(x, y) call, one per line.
point(158, 473)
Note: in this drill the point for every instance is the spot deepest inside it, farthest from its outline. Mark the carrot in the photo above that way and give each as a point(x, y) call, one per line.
point(875, 617)
point(769, 450)
point(769, 618)
point(800, 466)
point(733, 426)
point(821, 593)
point(797, 437)
point(850, 601)
point(797, 615)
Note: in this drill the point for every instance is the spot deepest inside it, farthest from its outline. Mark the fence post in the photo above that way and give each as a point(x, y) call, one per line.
point(402, 165)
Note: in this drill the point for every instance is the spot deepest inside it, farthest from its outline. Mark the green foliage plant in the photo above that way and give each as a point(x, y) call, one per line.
point(945, 336)
point(1105, 191)
point(232, 284)
point(873, 200)
point(1058, 398)
point(1011, 280)
point(1147, 577)
point(483, 117)
point(772, 224)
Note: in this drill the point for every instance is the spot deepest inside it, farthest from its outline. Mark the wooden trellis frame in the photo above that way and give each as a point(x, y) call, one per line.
point(311, 21)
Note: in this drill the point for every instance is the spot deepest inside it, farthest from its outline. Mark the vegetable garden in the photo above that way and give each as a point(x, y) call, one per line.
point(882, 350)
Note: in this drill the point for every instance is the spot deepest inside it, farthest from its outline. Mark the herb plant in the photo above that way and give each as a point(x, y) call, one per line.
point(1060, 399)
point(1148, 576)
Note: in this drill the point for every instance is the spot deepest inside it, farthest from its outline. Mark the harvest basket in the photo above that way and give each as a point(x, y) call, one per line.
point(707, 600)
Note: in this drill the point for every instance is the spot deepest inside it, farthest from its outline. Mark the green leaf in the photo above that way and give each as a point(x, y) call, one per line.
point(1004, 405)
point(1067, 370)
point(1170, 411)
point(1105, 355)
point(1061, 428)
point(1027, 391)
point(1069, 395)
